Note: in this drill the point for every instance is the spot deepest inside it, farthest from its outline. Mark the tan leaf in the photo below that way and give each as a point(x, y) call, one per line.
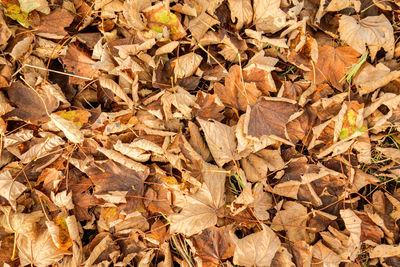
point(220, 139)
point(5, 33)
point(257, 164)
point(376, 32)
point(256, 249)
point(268, 16)
point(186, 65)
point(70, 130)
point(30, 5)
point(372, 77)
point(19, 223)
point(200, 25)
point(241, 12)
point(22, 47)
point(167, 48)
point(10, 189)
point(353, 225)
point(385, 251)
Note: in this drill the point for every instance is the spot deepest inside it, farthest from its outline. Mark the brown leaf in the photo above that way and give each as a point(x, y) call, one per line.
point(333, 65)
point(235, 93)
point(78, 63)
point(109, 176)
point(30, 104)
point(186, 65)
point(210, 107)
point(269, 117)
point(214, 245)
point(52, 25)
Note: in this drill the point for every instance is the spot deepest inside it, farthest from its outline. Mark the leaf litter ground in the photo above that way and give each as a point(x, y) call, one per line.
point(199, 133)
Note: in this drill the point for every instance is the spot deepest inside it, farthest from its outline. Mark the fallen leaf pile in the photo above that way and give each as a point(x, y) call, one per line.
point(200, 133)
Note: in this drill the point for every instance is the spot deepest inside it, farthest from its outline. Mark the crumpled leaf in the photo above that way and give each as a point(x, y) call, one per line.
point(257, 164)
point(10, 189)
point(53, 25)
point(241, 12)
point(220, 140)
point(19, 223)
point(14, 12)
point(376, 32)
point(370, 77)
point(116, 89)
point(256, 249)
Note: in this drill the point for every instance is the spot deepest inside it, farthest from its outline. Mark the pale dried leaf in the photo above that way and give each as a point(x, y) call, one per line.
point(256, 249)
point(10, 189)
point(70, 129)
point(373, 77)
point(376, 32)
point(241, 12)
point(220, 139)
point(186, 65)
point(268, 17)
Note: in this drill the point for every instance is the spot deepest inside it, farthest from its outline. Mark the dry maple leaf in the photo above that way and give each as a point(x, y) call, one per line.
point(30, 104)
point(199, 209)
point(214, 245)
point(376, 32)
point(257, 249)
point(269, 117)
point(333, 65)
point(78, 63)
point(40, 251)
